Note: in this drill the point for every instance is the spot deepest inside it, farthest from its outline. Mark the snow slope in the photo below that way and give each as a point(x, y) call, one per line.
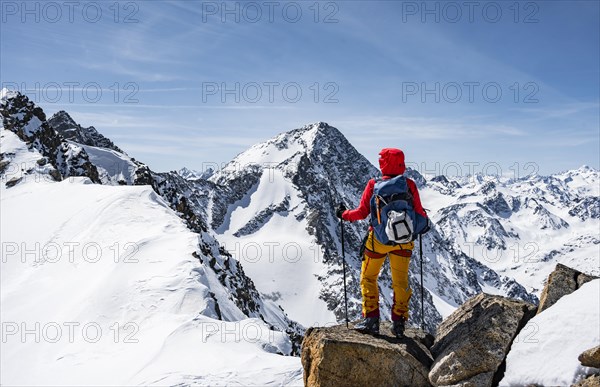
point(545, 352)
point(266, 232)
point(99, 285)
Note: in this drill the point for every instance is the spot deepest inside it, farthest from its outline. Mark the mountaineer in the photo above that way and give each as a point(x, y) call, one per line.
point(397, 218)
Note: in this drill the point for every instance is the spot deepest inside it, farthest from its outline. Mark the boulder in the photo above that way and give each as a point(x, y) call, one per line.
point(472, 343)
point(591, 357)
point(590, 381)
point(562, 281)
point(334, 356)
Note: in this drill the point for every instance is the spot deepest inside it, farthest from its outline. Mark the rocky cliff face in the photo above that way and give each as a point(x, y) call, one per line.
point(62, 123)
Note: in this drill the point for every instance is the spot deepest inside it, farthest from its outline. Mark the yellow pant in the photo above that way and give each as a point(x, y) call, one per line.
point(375, 253)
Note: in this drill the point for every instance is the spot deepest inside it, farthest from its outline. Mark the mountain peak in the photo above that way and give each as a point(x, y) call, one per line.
point(322, 135)
point(586, 168)
point(64, 124)
point(320, 125)
point(63, 116)
point(190, 174)
point(289, 145)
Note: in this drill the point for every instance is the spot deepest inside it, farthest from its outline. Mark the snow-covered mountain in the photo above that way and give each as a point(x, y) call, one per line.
point(190, 174)
point(135, 262)
point(523, 227)
point(237, 247)
point(275, 209)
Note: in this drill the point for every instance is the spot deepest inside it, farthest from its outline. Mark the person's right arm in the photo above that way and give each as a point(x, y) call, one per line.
point(364, 209)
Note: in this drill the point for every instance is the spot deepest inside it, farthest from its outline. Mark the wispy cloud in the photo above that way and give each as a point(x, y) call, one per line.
point(559, 111)
point(428, 128)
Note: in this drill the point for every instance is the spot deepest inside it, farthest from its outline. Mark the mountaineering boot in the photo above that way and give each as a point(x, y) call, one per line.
point(368, 325)
point(398, 328)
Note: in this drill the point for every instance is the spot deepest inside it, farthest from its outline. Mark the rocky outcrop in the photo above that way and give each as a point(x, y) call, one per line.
point(562, 281)
point(472, 342)
point(335, 356)
point(591, 357)
point(28, 121)
point(263, 217)
point(70, 130)
point(470, 348)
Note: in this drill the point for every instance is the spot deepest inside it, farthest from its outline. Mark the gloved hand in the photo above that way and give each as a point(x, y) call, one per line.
point(340, 210)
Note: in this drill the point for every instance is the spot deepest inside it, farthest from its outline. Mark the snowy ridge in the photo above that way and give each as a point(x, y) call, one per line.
point(181, 286)
point(144, 279)
point(113, 167)
point(188, 201)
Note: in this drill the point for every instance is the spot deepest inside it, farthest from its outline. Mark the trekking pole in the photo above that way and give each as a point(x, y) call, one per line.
point(422, 302)
point(344, 266)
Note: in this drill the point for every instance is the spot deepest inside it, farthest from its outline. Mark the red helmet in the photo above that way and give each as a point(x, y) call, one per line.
point(391, 161)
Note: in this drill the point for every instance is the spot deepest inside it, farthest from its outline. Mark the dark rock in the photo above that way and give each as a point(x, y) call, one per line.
point(497, 203)
point(70, 130)
point(28, 121)
point(587, 208)
point(263, 217)
point(14, 181)
point(55, 175)
point(472, 342)
point(3, 165)
point(335, 356)
point(413, 174)
point(562, 281)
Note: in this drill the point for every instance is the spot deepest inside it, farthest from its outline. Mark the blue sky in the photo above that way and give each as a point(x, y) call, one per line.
point(508, 84)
